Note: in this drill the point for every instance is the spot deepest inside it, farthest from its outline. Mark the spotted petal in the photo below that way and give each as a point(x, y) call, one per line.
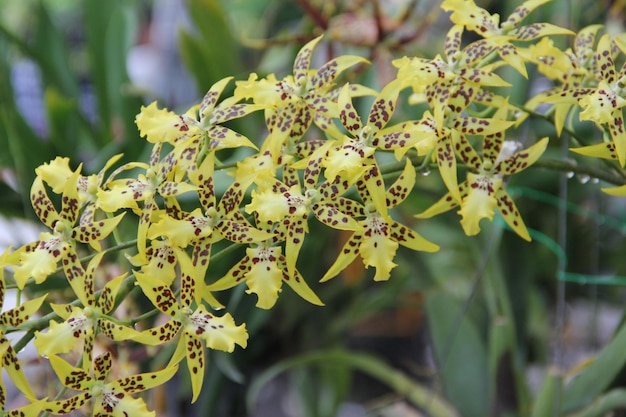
point(93, 233)
point(219, 332)
point(510, 214)
point(264, 278)
point(479, 203)
point(297, 283)
point(63, 337)
point(347, 113)
point(348, 253)
point(20, 314)
point(159, 293)
point(605, 150)
point(42, 204)
point(302, 63)
point(162, 125)
point(13, 367)
point(522, 159)
point(68, 405)
point(210, 98)
point(328, 73)
point(159, 335)
point(400, 189)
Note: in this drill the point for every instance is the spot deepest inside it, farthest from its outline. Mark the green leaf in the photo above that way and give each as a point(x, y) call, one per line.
point(544, 404)
point(461, 355)
point(214, 53)
point(595, 378)
point(51, 53)
point(402, 384)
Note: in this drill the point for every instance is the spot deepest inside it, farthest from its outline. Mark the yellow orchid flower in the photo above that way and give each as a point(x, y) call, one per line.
point(378, 238)
point(107, 398)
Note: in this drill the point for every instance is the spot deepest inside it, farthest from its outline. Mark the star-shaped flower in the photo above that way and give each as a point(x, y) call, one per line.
point(40, 259)
point(378, 238)
point(483, 190)
point(191, 326)
point(298, 100)
point(479, 20)
point(602, 104)
point(291, 204)
point(107, 398)
point(200, 128)
point(83, 322)
point(14, 318)
point(449, 84)
point(157, 180)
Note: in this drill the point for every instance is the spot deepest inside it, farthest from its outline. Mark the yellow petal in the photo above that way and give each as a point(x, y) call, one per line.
point(479, 203)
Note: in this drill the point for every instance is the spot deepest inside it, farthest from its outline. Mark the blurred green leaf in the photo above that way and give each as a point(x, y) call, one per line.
point(213, 53)
point(544, 405)
point(596, 377)
point(461, 355)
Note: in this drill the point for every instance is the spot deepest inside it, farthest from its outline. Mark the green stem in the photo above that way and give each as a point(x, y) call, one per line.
point(402, 384)
point(613, 400)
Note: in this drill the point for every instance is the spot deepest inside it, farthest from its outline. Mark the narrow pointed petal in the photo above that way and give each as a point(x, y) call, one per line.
point(348, 253)
point(229, 109)
point(221, 137)
point(604, 150)
point(333, 217)
point(384, 105)
point(402, 186)
point(13, 367)
point(145, 381)
point(521, 11)
point(445, 203)
point(102, 366)
point(70, 376)
point(233, 277)
point(159, 335)
point(467, 153)
point(511, 214)
point(452, 44)
point(302, 63)
point(618, 134)
point(508, 53)
point(210, 98)
point(106, 301)
point(536, 30)
point(347, 113)
point(296, 232)
point(42, 204)
point(297, 283)
point(327, 73)
point(68, 405)
point(94, 232)
point(195, 362)
point(447, 166)
point(411, 239)
point(20, 314)
point(159, 293)
point(522, 159)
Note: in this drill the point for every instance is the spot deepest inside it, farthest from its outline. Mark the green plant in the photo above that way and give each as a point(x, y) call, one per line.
point(178, 232)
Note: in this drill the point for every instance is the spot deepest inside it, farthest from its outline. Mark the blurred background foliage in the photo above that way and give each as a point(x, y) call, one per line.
point(467, 331)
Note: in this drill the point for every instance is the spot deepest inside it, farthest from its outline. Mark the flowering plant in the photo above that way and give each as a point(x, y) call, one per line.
point(323, 159)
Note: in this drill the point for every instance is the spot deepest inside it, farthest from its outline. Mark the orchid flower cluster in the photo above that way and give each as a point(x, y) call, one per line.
point(320, 161)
